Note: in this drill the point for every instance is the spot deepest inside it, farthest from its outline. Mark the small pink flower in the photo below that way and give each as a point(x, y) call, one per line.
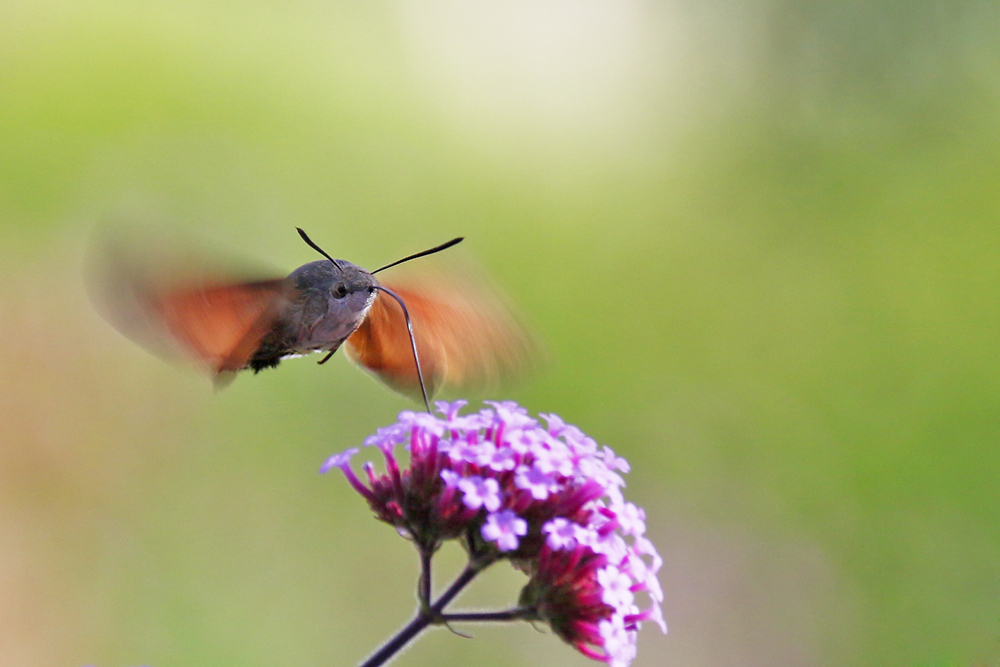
point(504, 528)
point(560, 533)
point(479, 492)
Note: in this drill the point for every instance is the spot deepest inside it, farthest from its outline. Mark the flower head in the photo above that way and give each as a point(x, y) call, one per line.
point(547, 498)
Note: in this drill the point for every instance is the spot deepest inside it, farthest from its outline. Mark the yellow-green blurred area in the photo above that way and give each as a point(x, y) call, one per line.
point(760, 241)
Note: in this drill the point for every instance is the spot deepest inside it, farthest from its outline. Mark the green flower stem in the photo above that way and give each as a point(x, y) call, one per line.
point(518, 614)
point(424, 592)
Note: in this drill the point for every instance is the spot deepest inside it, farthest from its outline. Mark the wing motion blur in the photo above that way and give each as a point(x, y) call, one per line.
point(179, 302)
point(466, 338)
point(221, 325)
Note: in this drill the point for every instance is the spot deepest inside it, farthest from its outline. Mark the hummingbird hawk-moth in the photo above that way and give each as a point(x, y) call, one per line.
point(416, 337)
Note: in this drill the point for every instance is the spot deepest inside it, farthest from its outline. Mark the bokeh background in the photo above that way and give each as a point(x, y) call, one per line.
point(759, 239)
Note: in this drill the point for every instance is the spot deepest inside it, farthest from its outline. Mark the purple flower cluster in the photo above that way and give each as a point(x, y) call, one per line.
point(548, 498)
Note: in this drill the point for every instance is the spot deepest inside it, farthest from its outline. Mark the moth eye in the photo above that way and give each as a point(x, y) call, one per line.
point(340, 291)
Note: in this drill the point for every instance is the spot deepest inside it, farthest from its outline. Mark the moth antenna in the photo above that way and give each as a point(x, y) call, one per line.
point(443, 246)
point(413, 341)
point(309, 242)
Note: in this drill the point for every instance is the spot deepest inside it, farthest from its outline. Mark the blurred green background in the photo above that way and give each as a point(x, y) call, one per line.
point(759, 239)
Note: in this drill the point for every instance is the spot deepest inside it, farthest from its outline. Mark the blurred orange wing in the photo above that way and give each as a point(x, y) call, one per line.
point(221, 325)
point(172, 296)
point(465, 338)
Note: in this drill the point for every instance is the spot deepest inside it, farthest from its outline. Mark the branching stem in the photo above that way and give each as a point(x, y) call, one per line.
point(433, 614)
